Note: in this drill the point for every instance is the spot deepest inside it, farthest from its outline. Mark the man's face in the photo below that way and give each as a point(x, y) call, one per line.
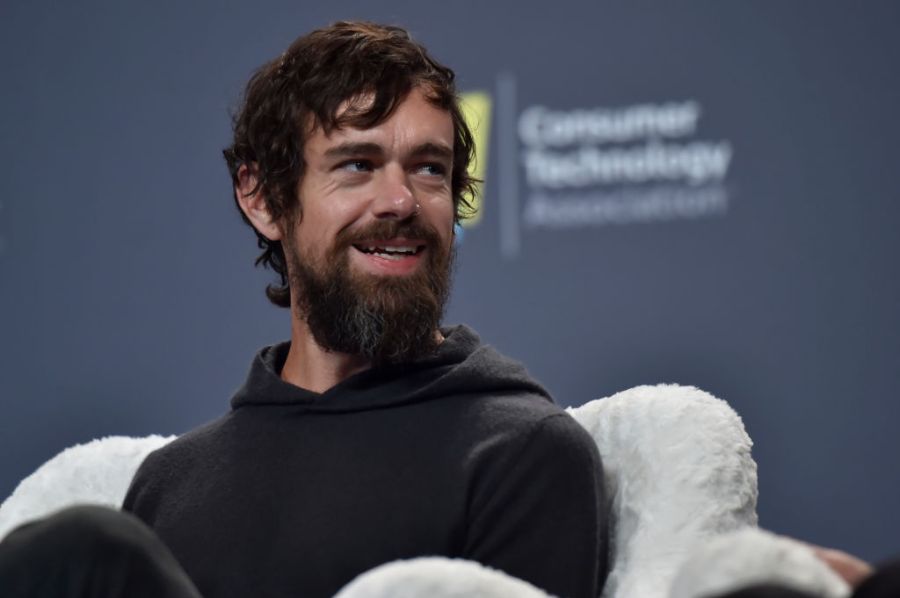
point(369, 258)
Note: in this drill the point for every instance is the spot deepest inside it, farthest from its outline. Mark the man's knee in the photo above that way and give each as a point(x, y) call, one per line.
point(89, 545)
point(76, 531)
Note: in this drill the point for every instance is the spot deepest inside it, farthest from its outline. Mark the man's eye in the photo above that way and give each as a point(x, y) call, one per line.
point(356, 166)
point(432, 169)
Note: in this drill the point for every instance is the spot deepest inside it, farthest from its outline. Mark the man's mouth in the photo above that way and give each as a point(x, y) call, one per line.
point(391, 250)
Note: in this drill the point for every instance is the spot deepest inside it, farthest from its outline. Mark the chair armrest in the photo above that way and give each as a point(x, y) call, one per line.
point(97, 472)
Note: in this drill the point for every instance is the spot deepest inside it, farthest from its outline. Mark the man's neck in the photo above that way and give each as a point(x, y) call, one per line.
point(310, 366)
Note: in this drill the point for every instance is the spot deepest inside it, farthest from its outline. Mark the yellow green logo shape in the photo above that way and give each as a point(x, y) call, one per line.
point(476, 110)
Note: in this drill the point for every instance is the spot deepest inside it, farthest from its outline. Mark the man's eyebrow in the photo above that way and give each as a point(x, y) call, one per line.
point(351, 149)
point(354, 149)
point(430, 149)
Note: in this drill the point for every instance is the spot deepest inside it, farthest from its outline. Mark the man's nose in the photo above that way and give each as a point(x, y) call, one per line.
point(395, 199)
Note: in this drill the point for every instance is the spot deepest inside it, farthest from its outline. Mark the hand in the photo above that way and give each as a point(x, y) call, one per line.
point(848, 567)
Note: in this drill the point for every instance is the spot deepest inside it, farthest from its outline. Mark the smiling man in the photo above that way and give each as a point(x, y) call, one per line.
point(374, 434)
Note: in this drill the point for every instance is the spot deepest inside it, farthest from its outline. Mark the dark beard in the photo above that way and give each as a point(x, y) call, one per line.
point(387, 319)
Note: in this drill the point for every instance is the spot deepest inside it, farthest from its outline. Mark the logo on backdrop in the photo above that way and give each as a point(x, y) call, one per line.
point(595, 166)
point(476, 110)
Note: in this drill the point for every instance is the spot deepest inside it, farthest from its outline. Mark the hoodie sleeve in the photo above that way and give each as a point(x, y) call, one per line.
point(536, 509)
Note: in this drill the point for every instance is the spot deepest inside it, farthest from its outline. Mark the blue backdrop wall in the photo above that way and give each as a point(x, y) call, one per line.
point(703, 193)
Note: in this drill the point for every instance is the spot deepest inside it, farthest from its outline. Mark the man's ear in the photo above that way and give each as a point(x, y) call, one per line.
point(253, 203)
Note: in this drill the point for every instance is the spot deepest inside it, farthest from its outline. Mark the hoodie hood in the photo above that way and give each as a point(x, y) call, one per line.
point(460, 365)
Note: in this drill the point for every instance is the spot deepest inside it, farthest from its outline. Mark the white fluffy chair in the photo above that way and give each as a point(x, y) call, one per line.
point(678, 471)
point(96, 473)
point(678, 474)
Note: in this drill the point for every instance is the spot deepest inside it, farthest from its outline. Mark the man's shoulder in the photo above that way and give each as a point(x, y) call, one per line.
point(187, 449)
point(174, 469)
point(519, 409)
point(512, 421)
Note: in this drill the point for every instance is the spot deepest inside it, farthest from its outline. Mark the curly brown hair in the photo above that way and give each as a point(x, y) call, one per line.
point(287, 99)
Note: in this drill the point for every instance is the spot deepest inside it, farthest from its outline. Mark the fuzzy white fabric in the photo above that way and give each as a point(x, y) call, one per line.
point(97, 472)
point(437, 577)
point(678, 471)
point(752, 556)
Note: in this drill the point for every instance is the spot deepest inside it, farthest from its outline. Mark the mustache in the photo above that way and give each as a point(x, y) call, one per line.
point(388, 229)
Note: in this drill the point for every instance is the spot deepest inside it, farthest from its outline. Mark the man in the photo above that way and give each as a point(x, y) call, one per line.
point(374, 434)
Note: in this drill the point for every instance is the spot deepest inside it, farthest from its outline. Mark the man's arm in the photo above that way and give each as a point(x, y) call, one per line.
point(537, 509)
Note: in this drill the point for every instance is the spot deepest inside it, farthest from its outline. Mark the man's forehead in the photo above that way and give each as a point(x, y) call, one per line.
point(361, 103)
point(415, 119)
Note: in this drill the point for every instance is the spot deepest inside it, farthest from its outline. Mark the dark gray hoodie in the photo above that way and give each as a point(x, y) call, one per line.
point(461, 454)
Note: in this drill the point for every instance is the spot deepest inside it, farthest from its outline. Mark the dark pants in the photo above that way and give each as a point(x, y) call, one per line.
point(89, 552)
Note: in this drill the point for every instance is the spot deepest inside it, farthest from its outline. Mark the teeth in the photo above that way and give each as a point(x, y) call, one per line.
point(388, 250)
